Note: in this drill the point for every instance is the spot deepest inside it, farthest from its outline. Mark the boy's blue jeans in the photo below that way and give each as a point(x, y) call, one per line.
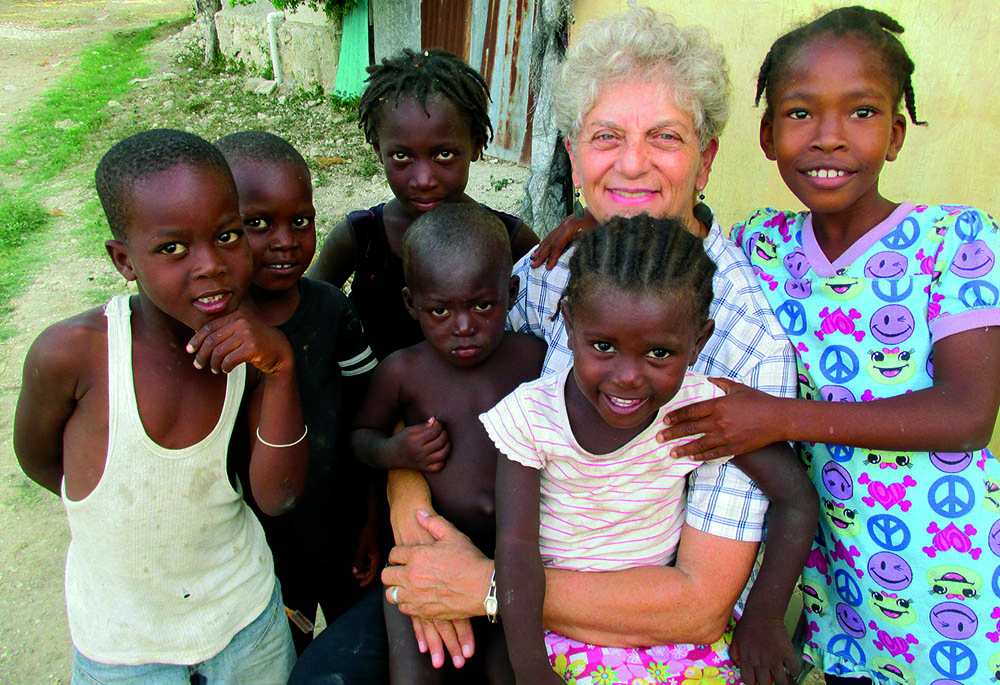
point(260, 653)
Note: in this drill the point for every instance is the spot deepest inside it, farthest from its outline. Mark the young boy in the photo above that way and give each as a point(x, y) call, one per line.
point(457, 263)
point(327, 549)
point(127, 413)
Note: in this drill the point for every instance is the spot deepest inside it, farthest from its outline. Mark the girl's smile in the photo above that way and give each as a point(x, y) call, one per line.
point(631, 353)
point(832, 126)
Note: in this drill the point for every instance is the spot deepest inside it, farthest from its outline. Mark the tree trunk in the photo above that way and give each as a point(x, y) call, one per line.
point(205, 10)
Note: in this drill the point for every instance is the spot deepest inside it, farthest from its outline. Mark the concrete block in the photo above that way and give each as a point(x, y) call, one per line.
point(308, 41)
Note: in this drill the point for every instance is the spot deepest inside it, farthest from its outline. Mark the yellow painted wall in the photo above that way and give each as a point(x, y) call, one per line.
point(955, 159)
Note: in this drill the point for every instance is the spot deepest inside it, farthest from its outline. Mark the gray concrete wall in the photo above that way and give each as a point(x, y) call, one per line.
point(309, 43)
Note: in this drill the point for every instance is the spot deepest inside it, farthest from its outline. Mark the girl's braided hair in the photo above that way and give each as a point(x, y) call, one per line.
point(422, 75)
point(873, 26)
point(643, 255)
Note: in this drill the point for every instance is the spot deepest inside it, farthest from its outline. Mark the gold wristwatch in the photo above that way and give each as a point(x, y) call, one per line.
point(490, 604)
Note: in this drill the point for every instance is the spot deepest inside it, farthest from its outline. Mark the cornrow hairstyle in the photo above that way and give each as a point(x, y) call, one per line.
point(643, 255)
point(143, 155)
point(464, 231)
point(421, 76)
point(873, 26)
point(256, 147)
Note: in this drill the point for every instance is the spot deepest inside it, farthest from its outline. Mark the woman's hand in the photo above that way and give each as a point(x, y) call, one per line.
point(742, 421)
point(438, 581)
point(764, 653)
point(448, 578)
point(554, 244)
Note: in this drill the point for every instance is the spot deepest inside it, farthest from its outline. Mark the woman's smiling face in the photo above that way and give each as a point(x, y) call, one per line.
point(638, 152)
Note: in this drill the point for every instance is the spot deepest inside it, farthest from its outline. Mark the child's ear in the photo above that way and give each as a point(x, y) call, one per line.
point(119, 257)
point(408, 303)
point(564, 312)
point(767, 137)
point(706, 333)
point(515, 284)
point(898, 135)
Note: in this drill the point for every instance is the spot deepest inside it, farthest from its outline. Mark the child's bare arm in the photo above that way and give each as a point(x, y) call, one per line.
point(335, 262)
point(47, 399)
point(956, 414)
point(524, 240)
point(761, 646)
point(422, 447)
point(277, 471)
point(520, 576)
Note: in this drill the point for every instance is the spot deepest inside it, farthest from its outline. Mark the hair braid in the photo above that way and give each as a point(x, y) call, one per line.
point(421, 76)
point(643, 255)
point(877, 28)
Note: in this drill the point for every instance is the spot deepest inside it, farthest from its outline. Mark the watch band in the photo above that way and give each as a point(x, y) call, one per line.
point(490, 604)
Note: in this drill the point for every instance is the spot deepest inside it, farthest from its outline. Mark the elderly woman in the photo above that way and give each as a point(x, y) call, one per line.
point(642, 104)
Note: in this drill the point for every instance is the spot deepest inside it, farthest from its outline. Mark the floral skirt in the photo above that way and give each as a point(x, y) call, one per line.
point(583, 664)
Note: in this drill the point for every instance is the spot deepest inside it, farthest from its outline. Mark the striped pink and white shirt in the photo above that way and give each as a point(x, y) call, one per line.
point(598, 512)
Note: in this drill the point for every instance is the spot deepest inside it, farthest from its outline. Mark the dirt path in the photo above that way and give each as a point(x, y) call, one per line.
point(39, 41)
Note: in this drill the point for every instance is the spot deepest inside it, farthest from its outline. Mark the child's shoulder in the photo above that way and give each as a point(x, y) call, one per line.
point(323, 293)
point(69, 352)
point(530, 347)
point(71, 340)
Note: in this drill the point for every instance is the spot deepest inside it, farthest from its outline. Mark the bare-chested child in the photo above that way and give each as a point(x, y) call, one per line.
point(127, 412)
point(457, 262)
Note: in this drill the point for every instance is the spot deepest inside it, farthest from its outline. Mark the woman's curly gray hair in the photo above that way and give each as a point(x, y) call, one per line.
point(644, 44)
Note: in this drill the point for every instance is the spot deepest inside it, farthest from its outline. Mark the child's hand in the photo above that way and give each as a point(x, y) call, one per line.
point(435, 636)
point(224, 343)
point(743, 421)
point(764, 653)
point(423, 447)
point(368, 559)
point(554, 244)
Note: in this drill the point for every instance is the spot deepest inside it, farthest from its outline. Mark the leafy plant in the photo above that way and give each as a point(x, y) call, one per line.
point(498, 184)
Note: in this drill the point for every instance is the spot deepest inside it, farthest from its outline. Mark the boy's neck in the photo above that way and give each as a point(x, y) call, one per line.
point(273, 307)
point(152, 325)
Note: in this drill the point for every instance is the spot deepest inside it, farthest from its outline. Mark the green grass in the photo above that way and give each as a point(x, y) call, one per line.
point(52, 135)
point(36, 150)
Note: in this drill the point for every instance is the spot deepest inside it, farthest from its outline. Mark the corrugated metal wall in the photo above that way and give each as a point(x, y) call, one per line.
point(495, 38)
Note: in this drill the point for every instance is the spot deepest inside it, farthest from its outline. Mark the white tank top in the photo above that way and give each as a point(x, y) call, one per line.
point(166, 563)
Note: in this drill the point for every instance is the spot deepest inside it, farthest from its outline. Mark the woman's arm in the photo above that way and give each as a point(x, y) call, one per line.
point(335, 262)
point(520, 577)
point(408, 493)
point(690, 602)
point(956, 414)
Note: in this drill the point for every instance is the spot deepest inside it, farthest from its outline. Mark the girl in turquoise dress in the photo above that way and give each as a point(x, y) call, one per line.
point(894, 311)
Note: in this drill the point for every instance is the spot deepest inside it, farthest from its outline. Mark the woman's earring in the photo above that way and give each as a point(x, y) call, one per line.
point(577, 205)
point(701, 194)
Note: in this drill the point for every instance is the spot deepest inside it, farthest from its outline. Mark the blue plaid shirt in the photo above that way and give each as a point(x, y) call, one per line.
point(748, 345)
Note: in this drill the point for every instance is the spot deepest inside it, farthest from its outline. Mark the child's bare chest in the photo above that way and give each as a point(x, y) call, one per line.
point(464, 491)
